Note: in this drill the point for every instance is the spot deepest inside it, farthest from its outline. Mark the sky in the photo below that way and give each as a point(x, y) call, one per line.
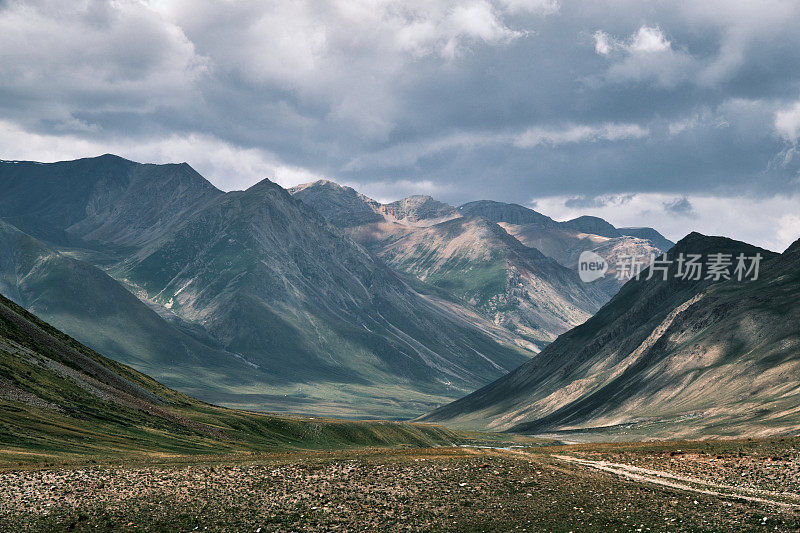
point(678, 115)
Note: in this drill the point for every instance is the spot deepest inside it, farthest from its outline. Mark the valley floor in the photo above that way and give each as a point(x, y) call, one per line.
point(684, 486)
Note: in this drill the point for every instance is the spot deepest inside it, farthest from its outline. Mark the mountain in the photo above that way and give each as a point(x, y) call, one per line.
point(565, 241)
point(478, 262)
point(508, 213)
point(297, 317)
point(273, 281)
point(342, 206)
point(591, 225)
point(471, 259)
point(650, 234)
point(107, 199)
point(80, 298)
point(61, 401)
point(675, 358)
point(419, 211)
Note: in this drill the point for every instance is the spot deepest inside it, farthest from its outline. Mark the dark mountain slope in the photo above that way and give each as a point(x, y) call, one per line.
point(676, 358)
point(106, 199)
point(592, 225)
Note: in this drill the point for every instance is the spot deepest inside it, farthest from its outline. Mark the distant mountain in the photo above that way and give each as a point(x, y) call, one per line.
point(676, 358)
point(565, 241)
point(342, 206)
point(419, 211)
point(508, 213)
point(471, 258)
point(650, 234)
point(518, 287)
point(592, 225)
point(62, 401)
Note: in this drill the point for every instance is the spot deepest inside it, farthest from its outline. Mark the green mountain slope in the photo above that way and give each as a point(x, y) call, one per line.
point(516, 286)
point(663, 358)
point(61, 401)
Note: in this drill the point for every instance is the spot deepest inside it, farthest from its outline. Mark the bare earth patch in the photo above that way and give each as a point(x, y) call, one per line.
point(377, 490)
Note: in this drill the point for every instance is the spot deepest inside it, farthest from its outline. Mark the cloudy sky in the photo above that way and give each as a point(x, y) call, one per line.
point(679, 115)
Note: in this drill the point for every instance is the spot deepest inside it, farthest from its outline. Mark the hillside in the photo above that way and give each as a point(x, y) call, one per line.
point(668, 358)
point(61, 401)
point(516, 286)
point(75, 296)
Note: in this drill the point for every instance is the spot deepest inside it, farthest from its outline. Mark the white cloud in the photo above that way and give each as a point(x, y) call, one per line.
point(227, 166)
point(540, 7)
point(389, 191)
point(787, 122)
point(646, 55)
point(579, 133)
point(648, 40)
point(604, 43)
point(772, 222)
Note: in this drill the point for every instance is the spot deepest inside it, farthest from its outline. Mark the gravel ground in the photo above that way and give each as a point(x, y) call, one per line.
point(409, 490)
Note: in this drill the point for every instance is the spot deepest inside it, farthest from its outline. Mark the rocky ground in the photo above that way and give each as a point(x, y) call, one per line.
point(400, 490)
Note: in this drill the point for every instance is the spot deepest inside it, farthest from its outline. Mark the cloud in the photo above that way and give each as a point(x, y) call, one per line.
point(497, 99)
point(579, 133)
point(596, 202)
point(229, 167)
point(680, 206)
point(646, 40)
point(772, 221)
point(787, 122)
point(646, 56)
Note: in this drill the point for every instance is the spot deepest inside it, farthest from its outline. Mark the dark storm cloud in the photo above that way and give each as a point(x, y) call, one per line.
point(680, 206)
point(501, 99)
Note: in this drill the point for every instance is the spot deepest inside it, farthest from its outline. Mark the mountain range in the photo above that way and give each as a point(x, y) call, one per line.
point(674, 358)
point(511, 264)
point(249, 298)
point(318, 300)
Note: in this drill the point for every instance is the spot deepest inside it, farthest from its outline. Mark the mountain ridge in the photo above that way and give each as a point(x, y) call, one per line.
point(599, 377)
